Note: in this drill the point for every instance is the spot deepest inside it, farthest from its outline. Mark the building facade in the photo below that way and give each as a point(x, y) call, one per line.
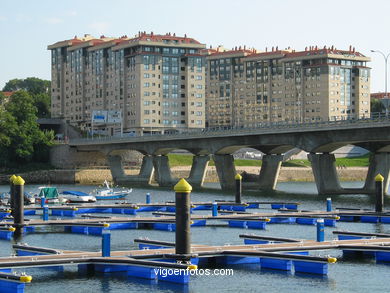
point(246, 87)
point(156, 83)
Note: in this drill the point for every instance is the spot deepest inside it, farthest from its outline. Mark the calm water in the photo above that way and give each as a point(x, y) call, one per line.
point(344, 276)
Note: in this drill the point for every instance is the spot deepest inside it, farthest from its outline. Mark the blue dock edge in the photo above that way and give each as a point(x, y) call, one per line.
point(4, 214)
point(9, 286)
point(277, 206)
point(99, 230)
point(6, 235)
point(151, 273)
point(172, 226)
point(247, 224)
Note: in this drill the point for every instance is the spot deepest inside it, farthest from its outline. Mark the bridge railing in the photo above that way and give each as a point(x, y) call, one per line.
point(264, 127)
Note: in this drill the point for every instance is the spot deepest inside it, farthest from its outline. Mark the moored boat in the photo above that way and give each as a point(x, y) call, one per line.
point(109, 193)
point(77, 196)
point(50, 194)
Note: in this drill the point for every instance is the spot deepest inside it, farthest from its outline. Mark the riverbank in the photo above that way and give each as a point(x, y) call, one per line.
point(97, 176)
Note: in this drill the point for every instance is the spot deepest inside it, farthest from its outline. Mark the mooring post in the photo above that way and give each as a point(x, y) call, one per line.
point(18, 206)
point(106, 244)
point(238, 179)
point(379, 193)
point(11, 193)
point(320, 230)
point(45, 213)
point(183, 217)
point(328, 204)
point(215, 209)
point(43, 202)
point(148, 198)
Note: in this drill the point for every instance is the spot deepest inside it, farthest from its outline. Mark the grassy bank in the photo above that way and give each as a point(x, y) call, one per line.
point(186, 160)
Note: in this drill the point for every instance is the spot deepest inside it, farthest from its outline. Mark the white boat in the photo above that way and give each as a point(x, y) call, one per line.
point(50, 194)
point(77, 196)
point(109, 193)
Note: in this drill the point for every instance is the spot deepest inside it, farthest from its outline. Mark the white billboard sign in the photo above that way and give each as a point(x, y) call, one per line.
point(114, 116)
point(99, 116)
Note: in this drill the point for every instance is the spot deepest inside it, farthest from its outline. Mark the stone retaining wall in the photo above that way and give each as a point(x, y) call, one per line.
point(97, 176)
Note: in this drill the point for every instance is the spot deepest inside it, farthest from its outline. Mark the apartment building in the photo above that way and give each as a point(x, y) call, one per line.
point(246, 87)
point(152, 83)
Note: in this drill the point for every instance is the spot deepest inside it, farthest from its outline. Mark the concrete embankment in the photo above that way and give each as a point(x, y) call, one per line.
point(97, 176)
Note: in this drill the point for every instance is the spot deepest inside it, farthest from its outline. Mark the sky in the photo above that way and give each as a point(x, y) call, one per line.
point(27, 27)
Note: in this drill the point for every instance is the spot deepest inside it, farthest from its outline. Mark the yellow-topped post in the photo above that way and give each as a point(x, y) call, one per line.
point(11, 192)
point(18, 208)
point(238, 179)
point(183, 219)
point(379, 193)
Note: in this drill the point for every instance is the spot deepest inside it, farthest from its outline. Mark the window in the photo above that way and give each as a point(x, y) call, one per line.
point(146, 121)
point(199, 104)
point(199, 77)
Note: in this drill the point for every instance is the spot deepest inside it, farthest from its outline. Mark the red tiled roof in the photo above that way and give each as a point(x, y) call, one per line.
point(160, 38)
point(379, 95)
point(7, 94)
point(277, 52)
point(231, 52)
point(323, 52)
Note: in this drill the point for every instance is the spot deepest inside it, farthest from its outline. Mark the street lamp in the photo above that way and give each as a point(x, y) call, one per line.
point(385, 101)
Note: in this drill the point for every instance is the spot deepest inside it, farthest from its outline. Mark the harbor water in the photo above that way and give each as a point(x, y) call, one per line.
point(347, 275)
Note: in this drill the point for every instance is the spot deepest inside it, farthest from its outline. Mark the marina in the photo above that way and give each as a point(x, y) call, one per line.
point(264, 251)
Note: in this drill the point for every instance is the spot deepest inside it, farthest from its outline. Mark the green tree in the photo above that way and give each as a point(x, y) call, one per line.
point(32, 85)
point(38, 88)
point(2, 98)
point(24, 141)
point(377, 106)
point(42, 102)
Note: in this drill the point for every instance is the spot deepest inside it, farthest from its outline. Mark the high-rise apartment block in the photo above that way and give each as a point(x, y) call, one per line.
point(246, 87)
point(155, 82)
point(165, 83)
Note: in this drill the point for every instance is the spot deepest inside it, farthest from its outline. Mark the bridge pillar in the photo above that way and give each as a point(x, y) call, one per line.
point(379, 164)
point(163, 171)
point(198, 170)
point(269, 171)
point(118, 174)
point(325, 174)
point(116, 166)
point(146, 172)
point(226, 171)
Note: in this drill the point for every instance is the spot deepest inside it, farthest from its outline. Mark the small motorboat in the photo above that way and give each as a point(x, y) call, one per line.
point(5, 198)
point(77, 196)
point(50, 194)
point(109, 193)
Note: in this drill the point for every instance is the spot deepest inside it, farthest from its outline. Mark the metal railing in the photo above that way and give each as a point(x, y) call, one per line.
point(376, 119)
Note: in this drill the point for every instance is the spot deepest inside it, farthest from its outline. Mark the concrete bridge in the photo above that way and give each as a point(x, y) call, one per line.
point(318, 139)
